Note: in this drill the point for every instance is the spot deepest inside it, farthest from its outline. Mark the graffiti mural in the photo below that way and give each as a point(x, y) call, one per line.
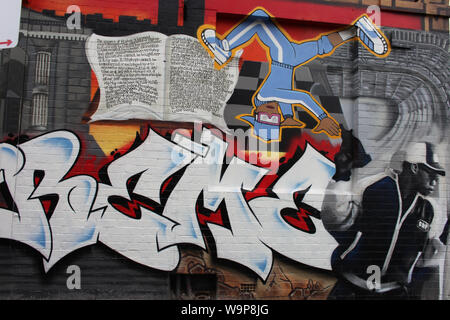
point(275, 99)
point(247, 154)
point(132, 202)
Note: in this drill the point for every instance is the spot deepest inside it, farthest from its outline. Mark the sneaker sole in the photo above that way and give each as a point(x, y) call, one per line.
point(217, 58)
point(367, 24)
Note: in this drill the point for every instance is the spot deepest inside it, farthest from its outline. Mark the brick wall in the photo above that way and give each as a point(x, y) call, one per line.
point(127, 209)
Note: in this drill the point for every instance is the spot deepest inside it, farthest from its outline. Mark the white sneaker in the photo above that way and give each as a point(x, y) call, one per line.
point(370, 36)
point(215, 46)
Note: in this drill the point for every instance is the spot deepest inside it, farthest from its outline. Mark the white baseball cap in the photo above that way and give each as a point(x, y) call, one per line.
point(423, 152)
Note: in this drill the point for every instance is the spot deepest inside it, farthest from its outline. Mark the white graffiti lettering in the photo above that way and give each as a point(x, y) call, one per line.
point(150, 203)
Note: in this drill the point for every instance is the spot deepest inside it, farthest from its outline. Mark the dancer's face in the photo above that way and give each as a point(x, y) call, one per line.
point(426, 180)
point(268, 113)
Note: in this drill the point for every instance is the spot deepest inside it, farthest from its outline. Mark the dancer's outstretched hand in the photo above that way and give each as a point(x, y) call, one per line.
point(329, 126)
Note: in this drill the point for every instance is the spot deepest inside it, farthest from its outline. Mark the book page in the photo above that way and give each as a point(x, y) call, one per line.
point(130, 73)
point(196, 90)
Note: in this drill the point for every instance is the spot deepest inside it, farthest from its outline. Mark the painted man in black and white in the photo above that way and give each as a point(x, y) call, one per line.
point(377, 255)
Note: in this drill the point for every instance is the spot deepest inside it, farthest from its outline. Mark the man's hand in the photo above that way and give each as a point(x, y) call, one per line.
point(329, 126)
point(433, 254)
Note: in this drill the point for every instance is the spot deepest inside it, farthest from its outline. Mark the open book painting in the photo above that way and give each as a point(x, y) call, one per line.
point(156, 77)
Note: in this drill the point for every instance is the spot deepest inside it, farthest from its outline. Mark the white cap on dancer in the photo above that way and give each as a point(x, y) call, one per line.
point(423, 152)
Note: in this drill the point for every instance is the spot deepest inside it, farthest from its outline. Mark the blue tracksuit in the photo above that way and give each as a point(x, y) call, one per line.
point(285, 56)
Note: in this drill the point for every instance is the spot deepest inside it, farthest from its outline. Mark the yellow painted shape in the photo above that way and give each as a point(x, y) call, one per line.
point(111, 136)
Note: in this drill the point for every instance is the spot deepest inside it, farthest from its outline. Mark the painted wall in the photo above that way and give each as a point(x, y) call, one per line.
point(196, 149)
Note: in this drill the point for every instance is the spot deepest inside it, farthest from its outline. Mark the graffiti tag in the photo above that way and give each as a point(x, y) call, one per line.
point(150, 202)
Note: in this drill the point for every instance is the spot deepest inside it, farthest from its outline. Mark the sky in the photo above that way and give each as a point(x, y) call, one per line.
point(142, 9)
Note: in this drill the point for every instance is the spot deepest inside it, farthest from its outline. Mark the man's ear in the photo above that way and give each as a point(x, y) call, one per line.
point(414, 168)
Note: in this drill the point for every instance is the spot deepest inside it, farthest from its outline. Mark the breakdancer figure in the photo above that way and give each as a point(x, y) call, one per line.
point(275, 99)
